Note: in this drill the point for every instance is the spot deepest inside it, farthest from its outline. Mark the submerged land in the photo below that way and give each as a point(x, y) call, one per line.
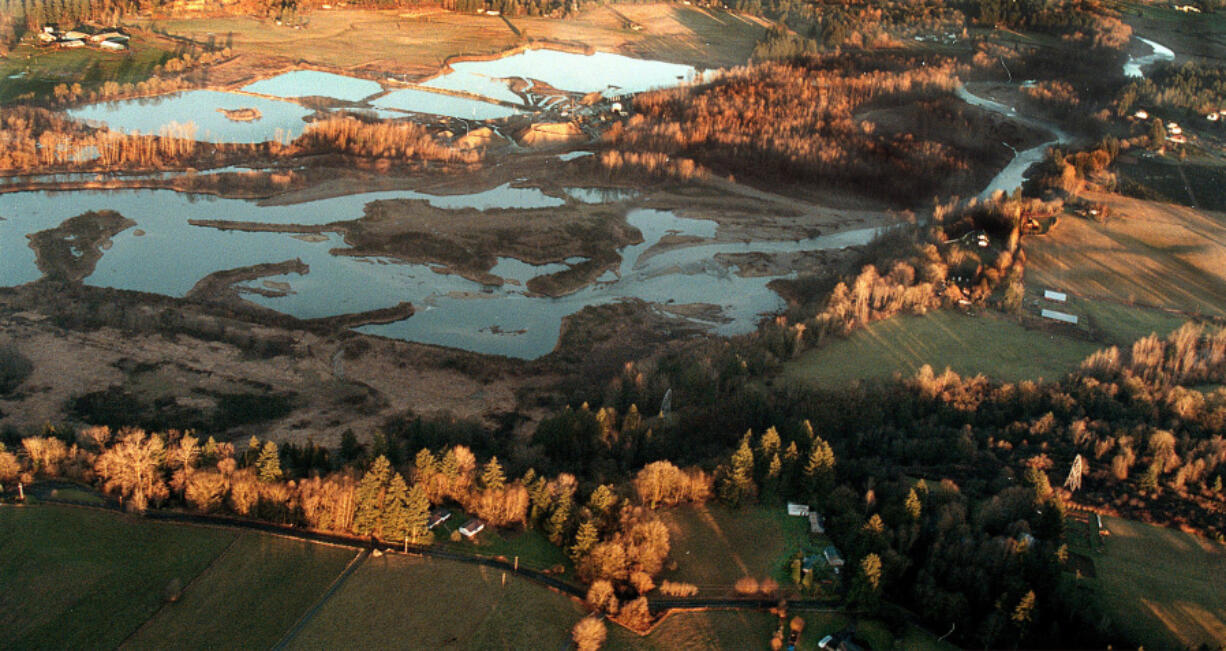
point(623, 285)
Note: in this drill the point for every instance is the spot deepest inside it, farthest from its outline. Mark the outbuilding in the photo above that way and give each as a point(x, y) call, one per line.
point(472, 528)
point(437, 517)
point(833, 557)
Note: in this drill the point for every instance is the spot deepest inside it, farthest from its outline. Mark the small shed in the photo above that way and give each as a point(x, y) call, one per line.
point(808, 564)
point(799, 510)
point(1059, 316)
point(113, 45)
point(437, 517)
point(1059, 297)
point(472, 528)
point(833, 557)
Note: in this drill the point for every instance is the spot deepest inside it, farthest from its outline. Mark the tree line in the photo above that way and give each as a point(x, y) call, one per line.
point(39, 140)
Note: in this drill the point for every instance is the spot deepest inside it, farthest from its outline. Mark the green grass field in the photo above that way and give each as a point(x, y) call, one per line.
point(1121, 325)
point(83, 579)
point(532, 547)
point(1162, 588)
point(250, 595)
point(38, 70)
point(78, 495)
point(399, 602)
point(715, 629)
point(714, 545)
point(732, 629)
point(986, 343)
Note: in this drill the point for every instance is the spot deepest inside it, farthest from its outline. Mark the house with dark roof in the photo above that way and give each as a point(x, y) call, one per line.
point(437, 517)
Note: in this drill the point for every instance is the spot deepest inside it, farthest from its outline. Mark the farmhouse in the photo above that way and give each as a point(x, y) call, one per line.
point(799, 510)
point(437, 517)
point(472, 528)
point(808, 564)
point(833, 557)
point(817, 523)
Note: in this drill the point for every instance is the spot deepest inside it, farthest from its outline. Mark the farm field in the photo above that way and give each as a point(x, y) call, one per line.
point(1147, 253)
point(398, 602)
point(249, 596)
point(29, 69)
point(715, 629)
point(1162, 587)
point(1115, 324)
point(83, 579)
point(986, 343)
point(714, 545)
point(730, 629)
point(419, 42)
point(1185, 183)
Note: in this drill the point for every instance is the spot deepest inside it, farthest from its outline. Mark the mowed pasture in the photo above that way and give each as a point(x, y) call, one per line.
point(714, 546)
point(987, 343)
point(263, 582)
point(419, 42)
point(749, 629)
point(1162, 587)
point(84, 579)
point(1147, 253)
point(393, 602)
point(713, 629)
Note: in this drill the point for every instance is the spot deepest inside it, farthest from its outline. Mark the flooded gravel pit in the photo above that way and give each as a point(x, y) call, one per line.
point(313, 83)
point(161, 252)
point(198, 114)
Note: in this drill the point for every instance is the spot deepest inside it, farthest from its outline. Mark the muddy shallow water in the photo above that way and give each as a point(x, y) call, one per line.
point(162, 253)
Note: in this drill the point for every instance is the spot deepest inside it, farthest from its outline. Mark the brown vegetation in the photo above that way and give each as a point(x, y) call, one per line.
point(794, 122)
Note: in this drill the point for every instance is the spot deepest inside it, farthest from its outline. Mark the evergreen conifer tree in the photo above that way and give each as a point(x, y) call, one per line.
point(268, 465)
point(368, 498)
point(417, 514)
point(819, 470)
point(394, 518)
point(492, 477)
point(585, 539)
point(556, 528)
point(913, 505)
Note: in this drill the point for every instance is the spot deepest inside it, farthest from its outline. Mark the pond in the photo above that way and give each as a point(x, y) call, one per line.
point(201, 110)
point(313, 83)
point(424, 101)
point(611, 74)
